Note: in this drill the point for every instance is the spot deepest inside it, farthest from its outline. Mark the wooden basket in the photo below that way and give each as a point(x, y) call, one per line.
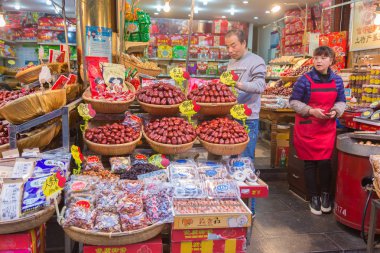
point(376, 186)
point(160, 110)
point(113, 239)
point(33, 105)
point(112, 149)
point(39, 138)
point(215, 109)
point(286, 79)
point(72, 92)
point(150, 72)
point(29, 75)
point(112, 107)
point(168, 149)
point(28, 222)
point(224, 149)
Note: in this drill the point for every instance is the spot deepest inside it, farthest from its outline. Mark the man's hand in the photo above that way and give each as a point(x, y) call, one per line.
point(239, 85)
point(331, 114)
point(318, 113)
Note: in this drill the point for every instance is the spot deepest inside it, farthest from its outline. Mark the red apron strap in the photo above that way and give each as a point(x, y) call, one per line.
point(309, 78)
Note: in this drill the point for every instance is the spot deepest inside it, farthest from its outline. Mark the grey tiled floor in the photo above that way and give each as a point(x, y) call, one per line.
point(284, 224)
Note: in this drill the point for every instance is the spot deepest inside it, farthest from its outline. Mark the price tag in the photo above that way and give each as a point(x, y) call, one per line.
point(78, 158)
point(53, 184)
point(87, 113)
point(230, 78)
point(179, 76)
point(189, 108)
point(11, 62)
point(241, 112)
point(159, 160)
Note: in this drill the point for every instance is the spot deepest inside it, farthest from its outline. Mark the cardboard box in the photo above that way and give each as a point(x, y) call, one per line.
point(153, 245)
point(207, 234)
point(261, 190)
point(32, 241)
point(210, 246)
point(221, 220)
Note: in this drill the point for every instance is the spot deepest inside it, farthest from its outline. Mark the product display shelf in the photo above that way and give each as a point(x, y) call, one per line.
point(274, 117)
point(194, 76)
point(8, 41)
point(190, 59)
point(8, 57)
point(55, 43)
point(25, 41)
point(62, 112)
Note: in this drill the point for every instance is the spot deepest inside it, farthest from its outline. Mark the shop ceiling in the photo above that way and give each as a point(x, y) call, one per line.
point(252, 11)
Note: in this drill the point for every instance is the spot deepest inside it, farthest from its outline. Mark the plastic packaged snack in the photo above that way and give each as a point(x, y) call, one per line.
point(80, 217)
point(49, 166)
point(131, 187)
point(132, 121)
point(107, 222)
point(184, 189)
point(129, 223)
point(241, 169)
point(113, 75)
point(202, 163)
point(158, 202)
point(138, 169)
point(10, 199)
point(212, 172)
point(23, 168)
point(220, 188)
point(80, 184)
point(130, 205)
point(106, 186)
point(158, 175)
point(94, 163)
point(183, 172)
point(188, 162)
point(33, 197)
point(83, 200)
point(106, 202)
point(120, 165)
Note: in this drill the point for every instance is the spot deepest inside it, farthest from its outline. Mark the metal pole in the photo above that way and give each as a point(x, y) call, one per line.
point(79, 29)
point(190, 33)
point(66, 35)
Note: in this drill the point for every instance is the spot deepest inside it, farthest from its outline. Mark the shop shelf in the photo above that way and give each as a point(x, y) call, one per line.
point(190, 59)
point(8, 57)
point(25, 41)
point(195, 76)
point(55, 44)
point(69, 29)
point(8, 41)
point(272, 77)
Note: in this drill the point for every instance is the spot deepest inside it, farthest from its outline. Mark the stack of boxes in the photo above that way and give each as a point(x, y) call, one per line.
point(32, 241)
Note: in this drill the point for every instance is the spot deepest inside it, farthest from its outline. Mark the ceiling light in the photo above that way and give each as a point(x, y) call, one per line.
point(2, 20)
point(166, 7)
point(256, 18)
point(205, 2)
point(377, 19)
point(223, 16)
point(156, 13)
point(232, 12)
point(48, 2)
point(158, 8)
point(267, 12)
point(275, 8)
point(17, 6)
point(245, 2)
point(196, 10)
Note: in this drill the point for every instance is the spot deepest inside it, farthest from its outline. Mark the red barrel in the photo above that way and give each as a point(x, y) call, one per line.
point(350, 197)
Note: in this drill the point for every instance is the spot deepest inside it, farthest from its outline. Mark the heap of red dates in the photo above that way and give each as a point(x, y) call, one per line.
point(112, 134)
point(213, 92)
point(161, 94)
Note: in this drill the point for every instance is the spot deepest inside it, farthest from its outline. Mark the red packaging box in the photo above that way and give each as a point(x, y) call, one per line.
point(204, 234)
point(261, 190)
point(154, 245)
point(162, 40)
point(210, 246)
point(32, 241)
point(206, 40)
point(220, 26)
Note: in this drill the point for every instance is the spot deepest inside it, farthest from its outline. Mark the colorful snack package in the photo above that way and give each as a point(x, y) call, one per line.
point(158, 175)
point(84, 200)
point(222, 188)
point(23, 168)
point(130, 204)
point(188, 189)
point(94, 163)
point(129, 223)
point(80, 184)
point(114, 75)
point(106, 186)
point(79, 216)
point(183, 172)
point(50, 166)
point(130, 187)
point(107, 222)
point(33, 197)
point(158, 202)
point(212, 172)
point(97, 84)
point(10, 199)
point(132, 121)
point(106, 202)
point(120, 165)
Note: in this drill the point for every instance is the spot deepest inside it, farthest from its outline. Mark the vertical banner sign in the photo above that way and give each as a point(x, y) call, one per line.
point(230, 78)
point(241, 112)
point(99, 42)
point(179, 76)
point(78, 158)
point(365, 32)
point(189, 108)
point(87, 113)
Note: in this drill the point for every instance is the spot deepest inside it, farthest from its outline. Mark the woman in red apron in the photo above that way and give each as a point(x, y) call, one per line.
point(318, 98)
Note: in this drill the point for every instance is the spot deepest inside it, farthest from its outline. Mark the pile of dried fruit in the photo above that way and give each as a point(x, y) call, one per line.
point(112, 134)
point(161, 94)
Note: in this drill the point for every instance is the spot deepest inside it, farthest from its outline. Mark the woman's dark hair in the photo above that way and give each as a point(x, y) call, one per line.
point(238, 33)
point(326, 52)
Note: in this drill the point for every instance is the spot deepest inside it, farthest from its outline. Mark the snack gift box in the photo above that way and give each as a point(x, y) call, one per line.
point(205, 234)
point(210, 246)
point(153, 245)
point(32, 241)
